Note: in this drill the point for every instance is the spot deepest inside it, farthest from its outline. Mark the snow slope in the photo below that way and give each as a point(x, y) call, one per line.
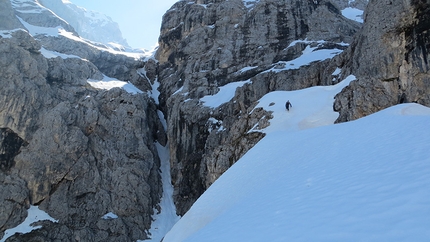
point(307, 180)
point(164, 220)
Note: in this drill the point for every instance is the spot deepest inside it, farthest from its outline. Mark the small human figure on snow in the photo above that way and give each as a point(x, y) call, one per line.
point(288, 105)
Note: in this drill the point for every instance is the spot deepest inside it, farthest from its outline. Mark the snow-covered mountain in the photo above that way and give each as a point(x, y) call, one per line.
point(90, 25)
point(365, 180)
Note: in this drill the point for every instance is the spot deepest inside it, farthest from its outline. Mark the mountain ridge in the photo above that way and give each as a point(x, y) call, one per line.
point(89, 24)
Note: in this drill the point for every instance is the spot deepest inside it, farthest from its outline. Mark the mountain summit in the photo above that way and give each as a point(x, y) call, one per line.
point(88, 24)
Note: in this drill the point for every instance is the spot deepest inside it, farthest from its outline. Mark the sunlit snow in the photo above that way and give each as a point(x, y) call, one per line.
point(311, 180)
point(108, 83)
point(60, 31)
point(225, 94)
point(26, 6)
point(35, 30)
point(312, 107)
point(309, 55)
point(54, 54)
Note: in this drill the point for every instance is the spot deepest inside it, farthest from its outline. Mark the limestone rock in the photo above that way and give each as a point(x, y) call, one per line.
point(79, 153)
point(8, 19)
point(30, 12)
point(76, 152)
point(14, 197)
point(390, 59)
point(115, 64)
point(239, 43)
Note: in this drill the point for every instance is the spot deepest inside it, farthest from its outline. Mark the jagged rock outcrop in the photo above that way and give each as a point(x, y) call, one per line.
point(240, 42)
point(123, 67)
point(33, 13)
point(75, 151)
point(390, 58)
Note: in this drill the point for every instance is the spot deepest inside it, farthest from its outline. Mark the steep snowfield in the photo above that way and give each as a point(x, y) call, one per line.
point(307, 180)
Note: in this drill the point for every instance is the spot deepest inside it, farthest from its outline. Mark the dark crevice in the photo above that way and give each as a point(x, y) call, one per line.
point(39, 202)
point(418, 33)
point(10, 146)
point(403, 98)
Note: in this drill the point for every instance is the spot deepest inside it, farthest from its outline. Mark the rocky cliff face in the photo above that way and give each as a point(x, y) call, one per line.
point(242, 41)
point(75, 151)
point(123, 67)
point(390, 58)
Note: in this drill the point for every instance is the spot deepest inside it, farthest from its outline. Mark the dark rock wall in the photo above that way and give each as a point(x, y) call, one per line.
point(390, 59)
point(74, 151)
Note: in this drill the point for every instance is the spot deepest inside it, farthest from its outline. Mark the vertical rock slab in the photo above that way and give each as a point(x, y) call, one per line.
point(76, 152)
point(390, 59)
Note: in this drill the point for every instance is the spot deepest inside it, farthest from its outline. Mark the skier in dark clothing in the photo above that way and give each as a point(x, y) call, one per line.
point(288, 105)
